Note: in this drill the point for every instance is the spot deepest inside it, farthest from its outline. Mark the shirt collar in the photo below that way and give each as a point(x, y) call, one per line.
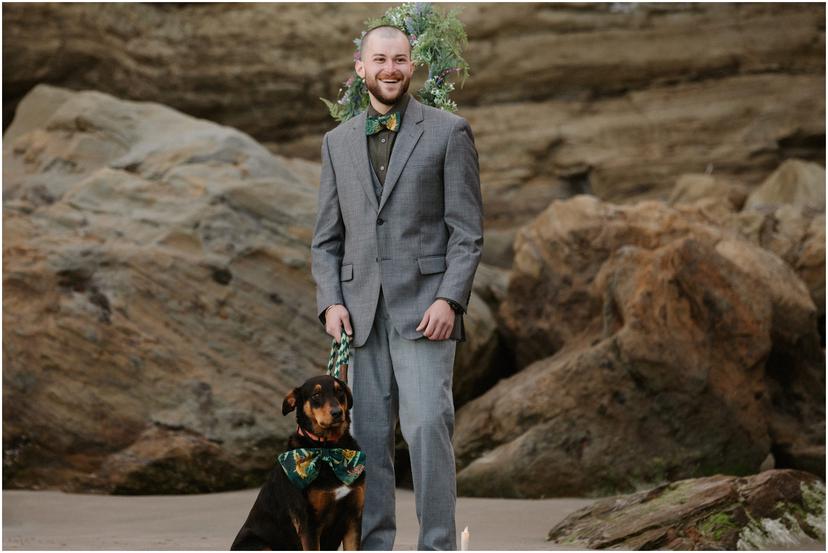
point(399, 107)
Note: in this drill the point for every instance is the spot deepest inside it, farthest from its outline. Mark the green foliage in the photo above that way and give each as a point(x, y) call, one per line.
point(437, 41)
point(717, 525)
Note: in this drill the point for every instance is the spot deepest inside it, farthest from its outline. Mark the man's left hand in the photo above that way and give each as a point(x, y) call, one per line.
point(437, 321)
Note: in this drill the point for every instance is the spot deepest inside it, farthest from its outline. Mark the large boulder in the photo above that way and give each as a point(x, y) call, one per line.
point(661, 347)
point(776, 509)
point(157, 304)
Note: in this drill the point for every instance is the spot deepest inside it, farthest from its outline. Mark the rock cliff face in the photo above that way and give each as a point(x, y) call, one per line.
point(613, 99)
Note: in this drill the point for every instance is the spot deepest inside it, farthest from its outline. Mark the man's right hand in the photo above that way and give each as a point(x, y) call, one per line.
point(335, 317)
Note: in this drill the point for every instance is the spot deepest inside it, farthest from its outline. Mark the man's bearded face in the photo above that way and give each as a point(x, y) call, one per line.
point(386, 67)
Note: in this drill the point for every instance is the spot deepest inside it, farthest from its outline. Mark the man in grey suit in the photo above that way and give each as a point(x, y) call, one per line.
point(397, 241)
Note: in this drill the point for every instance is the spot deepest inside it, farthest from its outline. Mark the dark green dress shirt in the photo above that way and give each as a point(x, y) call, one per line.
point(381, 143)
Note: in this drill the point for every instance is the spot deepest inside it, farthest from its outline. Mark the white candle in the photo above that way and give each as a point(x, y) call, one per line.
point(464, 540)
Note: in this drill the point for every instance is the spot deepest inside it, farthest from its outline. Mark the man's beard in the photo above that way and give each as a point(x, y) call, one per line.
point(373, 85)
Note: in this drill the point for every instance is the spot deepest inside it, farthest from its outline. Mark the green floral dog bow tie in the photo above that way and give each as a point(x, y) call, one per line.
point(302, 465)
point(375, 124)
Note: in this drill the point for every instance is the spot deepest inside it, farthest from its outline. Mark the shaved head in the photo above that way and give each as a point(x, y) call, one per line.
point(384, 31)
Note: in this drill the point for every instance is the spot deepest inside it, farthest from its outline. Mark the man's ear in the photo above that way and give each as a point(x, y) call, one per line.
point(291, 400)
point(359, 68)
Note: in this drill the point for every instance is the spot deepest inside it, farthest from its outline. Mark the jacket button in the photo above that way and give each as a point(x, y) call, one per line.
point(380, 220)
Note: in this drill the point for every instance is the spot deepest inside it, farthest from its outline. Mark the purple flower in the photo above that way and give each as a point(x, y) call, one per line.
point(421, 7)
point(443, 74)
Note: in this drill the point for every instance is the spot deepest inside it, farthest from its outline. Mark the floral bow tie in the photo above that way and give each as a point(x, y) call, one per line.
point(302, 465)
point(375, 124)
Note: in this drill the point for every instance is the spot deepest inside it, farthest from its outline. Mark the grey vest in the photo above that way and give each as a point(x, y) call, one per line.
point(375, 179)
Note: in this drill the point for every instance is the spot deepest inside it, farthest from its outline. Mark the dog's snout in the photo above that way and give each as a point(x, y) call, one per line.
point(336, 413)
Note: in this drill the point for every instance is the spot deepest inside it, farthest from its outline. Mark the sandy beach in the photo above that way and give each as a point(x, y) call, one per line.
point(55, 520)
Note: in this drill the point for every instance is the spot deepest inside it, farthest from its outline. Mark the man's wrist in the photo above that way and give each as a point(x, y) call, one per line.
point(456, 307)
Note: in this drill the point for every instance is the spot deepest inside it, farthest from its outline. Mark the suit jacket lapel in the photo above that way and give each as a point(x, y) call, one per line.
point(359, 155)
point(404, 144)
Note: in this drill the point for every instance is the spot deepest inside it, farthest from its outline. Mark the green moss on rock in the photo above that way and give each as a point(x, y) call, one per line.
point(716, 525)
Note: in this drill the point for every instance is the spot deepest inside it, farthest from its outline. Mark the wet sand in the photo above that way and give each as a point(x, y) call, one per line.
point(54, 520)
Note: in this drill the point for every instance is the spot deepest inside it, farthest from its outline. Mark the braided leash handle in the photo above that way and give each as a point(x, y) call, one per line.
point(340, 356)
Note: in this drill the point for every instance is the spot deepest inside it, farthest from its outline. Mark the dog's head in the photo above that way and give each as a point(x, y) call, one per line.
point(322, 406)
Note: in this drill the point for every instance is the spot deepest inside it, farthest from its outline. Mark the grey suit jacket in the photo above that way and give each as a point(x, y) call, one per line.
point(424, 237)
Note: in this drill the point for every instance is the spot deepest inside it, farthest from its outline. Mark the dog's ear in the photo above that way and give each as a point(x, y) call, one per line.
point(291, 400)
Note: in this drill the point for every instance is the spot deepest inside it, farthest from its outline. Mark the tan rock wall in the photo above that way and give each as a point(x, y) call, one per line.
point(613, 99)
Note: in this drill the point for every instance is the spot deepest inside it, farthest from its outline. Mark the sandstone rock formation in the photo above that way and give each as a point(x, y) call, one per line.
point(613, 99)
point(796, 183)
point(785, 215)
point(663, 346)
point(158, 302)
point(691, 188)
point(776, 509)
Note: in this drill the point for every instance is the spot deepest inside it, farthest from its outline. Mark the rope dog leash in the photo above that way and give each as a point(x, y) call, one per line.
point(340, 356)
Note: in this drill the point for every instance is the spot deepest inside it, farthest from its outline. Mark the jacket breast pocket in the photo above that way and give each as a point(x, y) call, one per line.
point(346, 272)
point(432, 264)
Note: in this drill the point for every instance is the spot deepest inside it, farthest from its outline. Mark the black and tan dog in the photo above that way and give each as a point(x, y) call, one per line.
point(326, 511)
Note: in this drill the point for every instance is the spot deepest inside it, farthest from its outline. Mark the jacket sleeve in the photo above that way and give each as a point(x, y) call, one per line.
point(328, 241)
point(463, 214)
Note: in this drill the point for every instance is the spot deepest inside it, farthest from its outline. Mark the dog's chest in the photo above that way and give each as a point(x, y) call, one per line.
point(341, 492)
point(323, 500)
